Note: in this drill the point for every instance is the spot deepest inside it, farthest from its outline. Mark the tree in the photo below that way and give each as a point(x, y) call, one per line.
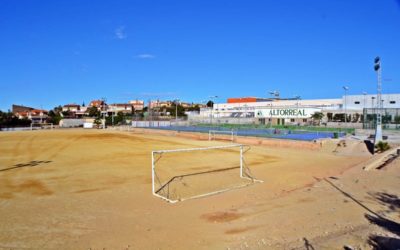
point(172, 110)
point(397, 119)
point(338, 117)
point(210, 104)
point(54, 117)
point(66, 113)
point(8, 119)
point(194, 108)
point(97, 122)
point(356, 117)
point(329, 116)
point(317, 116)
point(386, 119)
point(93, 112)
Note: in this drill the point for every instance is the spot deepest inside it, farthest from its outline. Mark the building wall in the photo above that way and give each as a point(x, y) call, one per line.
point(70, 108)
point(119, 108)
point(137, 104)
point(331, 103)
point(335, 108)
point(370, 101)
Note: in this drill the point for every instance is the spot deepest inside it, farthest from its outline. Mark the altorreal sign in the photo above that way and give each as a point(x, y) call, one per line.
point(285, 112)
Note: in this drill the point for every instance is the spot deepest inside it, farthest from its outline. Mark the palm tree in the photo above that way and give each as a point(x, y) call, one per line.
point(317, 116)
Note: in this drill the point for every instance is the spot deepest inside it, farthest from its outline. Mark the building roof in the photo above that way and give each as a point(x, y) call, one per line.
point(71, 105)
point(136, 102)
point(96, 103)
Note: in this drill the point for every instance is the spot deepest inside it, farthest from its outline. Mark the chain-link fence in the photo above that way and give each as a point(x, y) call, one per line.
point(390, 118)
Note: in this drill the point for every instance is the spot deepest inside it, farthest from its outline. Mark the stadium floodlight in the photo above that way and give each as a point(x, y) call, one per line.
point(178, 187)
point(212, 134)
point(377, 64)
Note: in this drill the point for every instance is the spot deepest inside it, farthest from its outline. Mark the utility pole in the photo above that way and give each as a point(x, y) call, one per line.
point(365, 109)
point(345, 104)
point(378, 129)
point(212, 107)
point(176, 110)
point(103, 111)
point(149, 113)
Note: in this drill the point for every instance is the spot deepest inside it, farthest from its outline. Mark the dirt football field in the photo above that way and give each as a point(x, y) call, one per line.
point(92, 189)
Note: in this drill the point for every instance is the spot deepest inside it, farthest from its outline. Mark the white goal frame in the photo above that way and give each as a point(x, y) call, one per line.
point(42, 124)
point(243, 174)
point(212, 133)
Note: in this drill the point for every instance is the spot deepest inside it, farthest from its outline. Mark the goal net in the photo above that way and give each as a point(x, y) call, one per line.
point(38, 126)
point(182, 174)
point(221, 135)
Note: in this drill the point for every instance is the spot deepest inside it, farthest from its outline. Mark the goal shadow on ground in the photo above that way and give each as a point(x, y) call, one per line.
point(24, 165)
point(201, 184)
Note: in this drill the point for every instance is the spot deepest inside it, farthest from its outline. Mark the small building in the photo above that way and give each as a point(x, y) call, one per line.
point(71, 107)
point(125, 108)
point(35, 115)
point(138, 105)
point(160, 104)
point(100, 104)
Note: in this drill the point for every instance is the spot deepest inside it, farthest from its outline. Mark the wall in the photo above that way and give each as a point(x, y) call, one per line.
point(367, 101)
point(240, 139)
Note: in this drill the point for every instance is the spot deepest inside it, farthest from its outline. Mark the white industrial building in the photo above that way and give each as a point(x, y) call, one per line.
point(297, 111)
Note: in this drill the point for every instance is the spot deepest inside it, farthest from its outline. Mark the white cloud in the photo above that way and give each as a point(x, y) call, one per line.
point(158, 94)
point(120, 33)
point(145, 56)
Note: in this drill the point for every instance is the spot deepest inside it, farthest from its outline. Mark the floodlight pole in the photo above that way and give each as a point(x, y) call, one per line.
point(378, 129)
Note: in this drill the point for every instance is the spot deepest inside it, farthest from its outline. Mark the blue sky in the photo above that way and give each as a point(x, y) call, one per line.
point(58, 52)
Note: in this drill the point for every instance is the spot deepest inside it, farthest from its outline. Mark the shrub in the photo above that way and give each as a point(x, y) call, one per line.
point(382, 146)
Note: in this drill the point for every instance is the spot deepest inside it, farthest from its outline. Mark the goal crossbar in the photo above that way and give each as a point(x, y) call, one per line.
point(242, 166)
point(196, 149)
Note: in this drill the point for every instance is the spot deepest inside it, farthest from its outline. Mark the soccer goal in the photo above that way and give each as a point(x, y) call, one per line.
point(38, 126)
point(224, 135)
point(182, 174)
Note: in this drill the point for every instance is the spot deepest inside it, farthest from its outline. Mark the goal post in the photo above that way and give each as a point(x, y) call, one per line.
point(179, 186)
point(213, 133)
point(37, 126)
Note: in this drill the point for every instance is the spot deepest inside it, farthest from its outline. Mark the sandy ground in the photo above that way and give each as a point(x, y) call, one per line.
point(82, 189)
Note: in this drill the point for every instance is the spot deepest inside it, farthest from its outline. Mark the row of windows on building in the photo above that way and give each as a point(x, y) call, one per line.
point(391, 102)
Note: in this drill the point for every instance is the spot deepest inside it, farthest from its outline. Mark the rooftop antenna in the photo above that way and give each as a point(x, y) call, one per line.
point(275, 93)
